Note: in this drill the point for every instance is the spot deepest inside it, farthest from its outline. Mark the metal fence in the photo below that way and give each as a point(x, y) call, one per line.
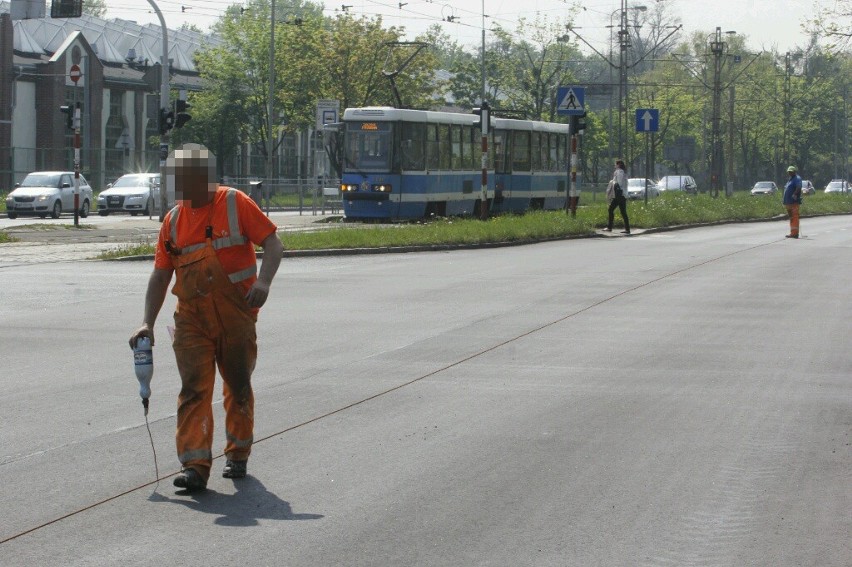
point(302, 194)
point(103, 166)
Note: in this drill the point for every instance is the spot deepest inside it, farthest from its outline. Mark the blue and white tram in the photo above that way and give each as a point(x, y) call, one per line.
point(402, 164)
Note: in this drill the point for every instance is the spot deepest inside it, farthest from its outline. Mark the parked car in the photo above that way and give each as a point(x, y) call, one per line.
point(808, 187)
point(43, 193)
point(637, 186)
point(677, 183)
point(132, 193)
point(837, 186)
point(764, 188)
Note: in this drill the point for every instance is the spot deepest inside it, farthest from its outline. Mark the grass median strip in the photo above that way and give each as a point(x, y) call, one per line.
point(667, 210)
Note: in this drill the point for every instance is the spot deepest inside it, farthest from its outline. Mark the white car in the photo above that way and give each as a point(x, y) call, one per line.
point(132, 193)
point(837, 186)
point(637, 186)
point(764, 188)
point(43, 193)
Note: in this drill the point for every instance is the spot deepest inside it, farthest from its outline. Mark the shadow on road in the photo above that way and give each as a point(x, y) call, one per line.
point(250, 503)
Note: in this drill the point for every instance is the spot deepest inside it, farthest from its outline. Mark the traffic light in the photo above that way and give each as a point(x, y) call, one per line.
point(181, 115)
point(68, 111)
point(578, 123)
point(167, 120)
point(483, 113)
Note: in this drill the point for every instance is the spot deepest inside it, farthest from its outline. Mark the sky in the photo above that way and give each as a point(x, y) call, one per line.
point(766, 24)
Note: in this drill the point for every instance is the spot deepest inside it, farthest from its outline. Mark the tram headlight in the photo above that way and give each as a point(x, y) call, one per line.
point(382, 187)
point(346, 187)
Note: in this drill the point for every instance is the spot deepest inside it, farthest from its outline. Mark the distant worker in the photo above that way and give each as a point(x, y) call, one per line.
point(616, 194)
point(792, 200)
point(208, 241)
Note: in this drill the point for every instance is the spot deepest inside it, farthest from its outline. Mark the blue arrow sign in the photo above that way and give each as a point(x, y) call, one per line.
point(647, 120)
point(571, 101)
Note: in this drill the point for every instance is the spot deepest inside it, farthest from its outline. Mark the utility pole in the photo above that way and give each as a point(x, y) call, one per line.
point(717, 47)
point(730, 179)
point(270, 139)
point(623, 67)
point(786, 126)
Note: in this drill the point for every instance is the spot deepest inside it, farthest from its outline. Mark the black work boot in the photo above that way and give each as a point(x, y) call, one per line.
point(190, 480)
point(234, 469)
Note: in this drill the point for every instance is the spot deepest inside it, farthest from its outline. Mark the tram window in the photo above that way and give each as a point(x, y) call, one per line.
point(499, 151)
point(535, 150)
point(444, 146)
point(554, 164)
point(432, 159)
point(368, 145)
point(521, 151)
point(412, 145)
point(455, 146)
point(562, 153)
point(474, 144)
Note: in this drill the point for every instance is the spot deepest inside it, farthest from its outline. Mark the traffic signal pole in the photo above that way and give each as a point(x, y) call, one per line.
point(164, 109)
point(484, 122)
point(77, 120)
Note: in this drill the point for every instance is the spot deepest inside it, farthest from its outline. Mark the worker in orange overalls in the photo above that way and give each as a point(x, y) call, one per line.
point(793, 199)
point(208, 241)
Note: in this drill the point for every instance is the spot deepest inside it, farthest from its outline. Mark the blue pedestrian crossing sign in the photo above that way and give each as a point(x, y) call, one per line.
point(647, 119)
point(571, 101)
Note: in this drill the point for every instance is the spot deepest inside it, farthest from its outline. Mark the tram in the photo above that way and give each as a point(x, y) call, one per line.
point(407, 164)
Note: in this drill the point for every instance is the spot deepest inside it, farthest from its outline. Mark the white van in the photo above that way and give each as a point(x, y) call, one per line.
point(677, 183)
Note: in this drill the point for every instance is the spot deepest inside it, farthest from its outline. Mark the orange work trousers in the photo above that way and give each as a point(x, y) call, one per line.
point(793, 213)
point(214, 327)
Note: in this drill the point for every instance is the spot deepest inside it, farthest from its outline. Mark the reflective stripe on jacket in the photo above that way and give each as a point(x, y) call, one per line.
point(235, 236)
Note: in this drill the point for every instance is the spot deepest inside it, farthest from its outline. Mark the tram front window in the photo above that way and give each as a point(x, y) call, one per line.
point(368, 146)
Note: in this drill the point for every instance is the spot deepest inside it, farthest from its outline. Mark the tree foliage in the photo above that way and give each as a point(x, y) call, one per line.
point(776, 109)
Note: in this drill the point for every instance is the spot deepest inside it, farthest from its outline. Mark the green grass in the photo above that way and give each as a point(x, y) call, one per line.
point(53, 226)
point(140, 249)
point(5, 237)
point(668, 210)
point(671, 209)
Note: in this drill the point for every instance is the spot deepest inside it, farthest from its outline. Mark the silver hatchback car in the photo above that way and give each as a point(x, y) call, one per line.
point(43, 193)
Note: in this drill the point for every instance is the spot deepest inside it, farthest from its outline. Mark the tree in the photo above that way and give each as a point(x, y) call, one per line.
point(95, 8)
point(834, 23)
point(359, 52)
point(233, 108)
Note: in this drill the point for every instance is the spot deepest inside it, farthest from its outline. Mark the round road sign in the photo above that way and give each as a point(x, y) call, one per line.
point(74, 74)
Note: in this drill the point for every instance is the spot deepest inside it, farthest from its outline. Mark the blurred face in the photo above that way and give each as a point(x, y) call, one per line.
point(194, 173)
point(194, 184)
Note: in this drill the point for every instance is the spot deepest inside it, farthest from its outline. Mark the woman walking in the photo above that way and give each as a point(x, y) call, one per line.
point(616, 194)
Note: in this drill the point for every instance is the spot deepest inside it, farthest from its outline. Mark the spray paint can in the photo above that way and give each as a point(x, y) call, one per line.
point(143, 363)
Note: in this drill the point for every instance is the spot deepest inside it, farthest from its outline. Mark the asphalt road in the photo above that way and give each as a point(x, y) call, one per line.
point(679, 398)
